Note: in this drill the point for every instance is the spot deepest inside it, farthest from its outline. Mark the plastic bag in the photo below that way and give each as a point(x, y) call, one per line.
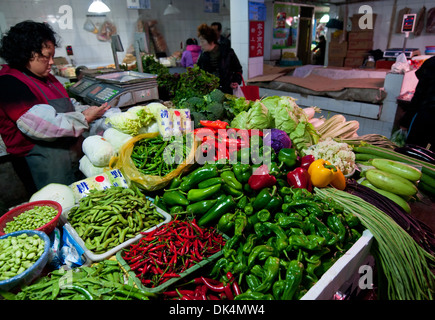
point(401, 65)
point(98, 150)
point(238, 92)
point(399, 137)
point(125, 164)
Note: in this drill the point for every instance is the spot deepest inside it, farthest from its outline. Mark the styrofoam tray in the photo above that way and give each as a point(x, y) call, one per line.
point(342, 270)
point(98, 257)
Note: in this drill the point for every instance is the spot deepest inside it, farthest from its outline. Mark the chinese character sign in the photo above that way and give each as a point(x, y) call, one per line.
point(256, 39)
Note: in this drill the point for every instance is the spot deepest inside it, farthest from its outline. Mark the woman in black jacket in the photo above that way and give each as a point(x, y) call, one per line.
point(219, 59)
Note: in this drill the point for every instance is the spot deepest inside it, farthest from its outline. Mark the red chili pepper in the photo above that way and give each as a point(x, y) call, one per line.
point(214, 287)
point(216, 124)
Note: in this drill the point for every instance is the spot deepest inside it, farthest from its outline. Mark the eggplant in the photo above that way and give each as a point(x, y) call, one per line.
point(414, 153)
point(421, 149)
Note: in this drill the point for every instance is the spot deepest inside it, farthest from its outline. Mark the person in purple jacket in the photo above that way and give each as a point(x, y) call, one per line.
point(191, 54)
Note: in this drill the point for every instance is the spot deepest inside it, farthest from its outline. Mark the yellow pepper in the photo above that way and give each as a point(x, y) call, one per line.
point(323, 173)
point(339, 180)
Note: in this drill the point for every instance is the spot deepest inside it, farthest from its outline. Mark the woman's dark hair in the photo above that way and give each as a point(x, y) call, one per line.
point(25, 39)
point(191, 41)
point(208, 33)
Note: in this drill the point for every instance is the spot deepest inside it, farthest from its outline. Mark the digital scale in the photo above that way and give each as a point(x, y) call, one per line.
point(117, 88)
point(408, 24)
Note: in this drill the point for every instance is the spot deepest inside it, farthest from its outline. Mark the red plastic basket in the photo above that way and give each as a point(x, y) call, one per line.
point(46, 228)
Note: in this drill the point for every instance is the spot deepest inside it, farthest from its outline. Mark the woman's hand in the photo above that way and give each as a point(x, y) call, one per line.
point(234, 85)
point(94, 112)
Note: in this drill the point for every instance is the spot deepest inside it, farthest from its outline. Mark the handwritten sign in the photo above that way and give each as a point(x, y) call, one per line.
point(256, 39)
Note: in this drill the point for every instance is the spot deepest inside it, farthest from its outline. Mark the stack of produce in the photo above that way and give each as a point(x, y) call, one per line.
point(106, 218)
point(338, 127)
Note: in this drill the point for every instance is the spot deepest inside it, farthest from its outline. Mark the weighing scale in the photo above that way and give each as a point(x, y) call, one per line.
point(117, 88)
point(408, 24)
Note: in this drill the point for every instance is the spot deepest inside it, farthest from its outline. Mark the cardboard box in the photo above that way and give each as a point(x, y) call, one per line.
point(357, 35)
point(335, 61)
point(364, 18)
point(353, 62)
point(357, 53)
point(360, 44)
point(337, 49)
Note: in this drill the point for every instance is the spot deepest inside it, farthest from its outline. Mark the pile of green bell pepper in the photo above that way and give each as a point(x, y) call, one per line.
point(285, 252)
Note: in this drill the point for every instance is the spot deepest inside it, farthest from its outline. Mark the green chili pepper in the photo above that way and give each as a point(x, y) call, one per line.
point(275, 204)
point(330, 237)
point(281, 242)
point(242, 172)
point(240, 222)
point(215, 212)
point(335, 223)
point(175, 183)
point(256, 251)
point(275, 170)
point(271, 269)
point(351, 219)
point(253, 295)
point(293, 278)
point(263, 215)
point(200, 207)
point(250, 242)
point(264, 197)
point(210, 182)
point(310, 205)
point(278, 289)
point(242, 203)
point(310, 242)
point(219, 265)
point(292, 220)
point(252, 281)
point(174, 198)
point(226, 222)
point(249, 210)
point(203, 173)
point(176, 209)
point(231, 180)
point(287, 157)
point(195, 195)
point(231, 191)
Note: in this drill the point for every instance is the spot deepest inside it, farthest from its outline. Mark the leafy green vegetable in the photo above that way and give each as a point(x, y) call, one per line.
point(240, 120)
point(304, 136)
point(259, 117)
point(131, 121)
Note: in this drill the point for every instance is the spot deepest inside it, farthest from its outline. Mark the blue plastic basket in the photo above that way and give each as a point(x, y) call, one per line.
point(35, 270)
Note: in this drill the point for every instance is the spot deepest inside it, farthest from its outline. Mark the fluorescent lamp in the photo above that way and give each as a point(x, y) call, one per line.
point(171, 9)
point(98, 6)
point(324, 19)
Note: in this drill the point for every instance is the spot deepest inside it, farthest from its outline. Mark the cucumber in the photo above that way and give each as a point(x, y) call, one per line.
point(401, 169)
point(392, 196)
point(391, 182)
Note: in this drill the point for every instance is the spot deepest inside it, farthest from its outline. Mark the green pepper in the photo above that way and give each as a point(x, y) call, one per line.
point(264, 197)
point(263, 215)
point(175, 183)
point(278, 289)
point(282, 241)
point(218, 266)
point(160, 203)
point(242, 203)
point(174, 198)
point(310, 272)
point(249, 210)
point(250, 242)
point(203, 173)
point(310, 205)
point(351, 219)
point(293, 278)
point(226, 222)
point(242, 172)
point(256, 251)
point(200, 207)
point(231, 180)
point(215, 212)
point(292, 220)
point(253, 295)
point(210, 182)
point(240, 222)
point(310, 242)
point(261, 230)
point(275, 170)
point(231, 191)
point(176, 209)
point(195, 195)
point(244, 155)
point(281, 183)
point(275, 204)
point(314, 258)
point(323, 230)
point(334, 222)
point(228, 247)
point(284, 191)
point(271, 270)
point(287, 157)
point(252, 281)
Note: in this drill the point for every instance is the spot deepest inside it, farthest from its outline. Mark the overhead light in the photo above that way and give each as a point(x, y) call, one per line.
point(98, 6)
point(171, 9)
point(324, 19)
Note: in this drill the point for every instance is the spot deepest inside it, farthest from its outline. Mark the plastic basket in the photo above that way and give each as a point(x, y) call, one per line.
point(98, 257)
point(46, 228)
point(35, 270)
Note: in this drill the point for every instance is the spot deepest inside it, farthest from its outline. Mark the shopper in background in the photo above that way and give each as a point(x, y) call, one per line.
point(421, 115)
point(217, 26)
point(219, 60)
point(39, 124)
point(191, 54)
point(319, 51)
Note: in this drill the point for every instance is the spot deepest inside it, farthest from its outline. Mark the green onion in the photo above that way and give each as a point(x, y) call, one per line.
point(406, 266)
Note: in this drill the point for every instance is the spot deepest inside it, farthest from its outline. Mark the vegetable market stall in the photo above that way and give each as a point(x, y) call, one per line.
point(285, 208)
